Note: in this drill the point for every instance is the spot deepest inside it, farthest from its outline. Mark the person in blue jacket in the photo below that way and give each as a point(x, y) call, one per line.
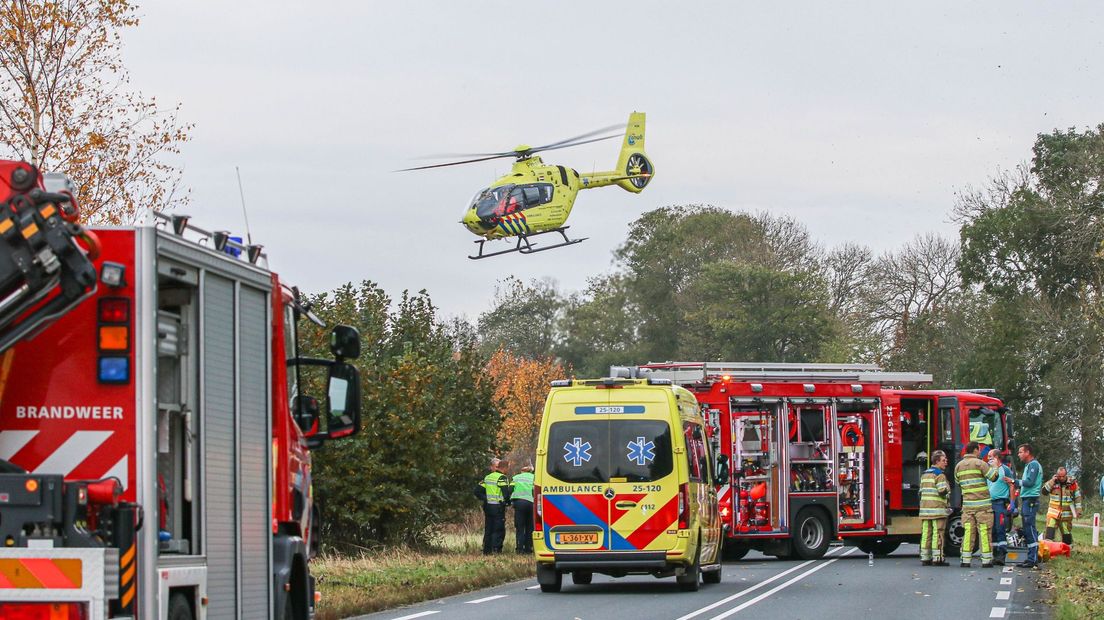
point(1030, 485)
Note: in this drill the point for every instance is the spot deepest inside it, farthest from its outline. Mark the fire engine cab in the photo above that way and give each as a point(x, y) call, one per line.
point(821, 452)
point(155, 440)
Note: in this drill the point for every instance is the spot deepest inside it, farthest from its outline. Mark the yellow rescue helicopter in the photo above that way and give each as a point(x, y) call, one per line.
point(536, 198)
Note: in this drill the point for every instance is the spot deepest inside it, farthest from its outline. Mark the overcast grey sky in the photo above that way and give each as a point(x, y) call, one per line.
point(860, 119)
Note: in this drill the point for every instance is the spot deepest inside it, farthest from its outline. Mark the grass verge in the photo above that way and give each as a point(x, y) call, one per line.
point(1077, 582)
point(393, 577)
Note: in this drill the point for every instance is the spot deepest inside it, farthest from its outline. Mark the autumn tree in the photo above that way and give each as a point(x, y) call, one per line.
point(521, 386)
point(65, 106)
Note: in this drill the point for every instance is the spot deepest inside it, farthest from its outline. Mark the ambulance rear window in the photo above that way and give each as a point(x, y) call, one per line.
point(595, 450)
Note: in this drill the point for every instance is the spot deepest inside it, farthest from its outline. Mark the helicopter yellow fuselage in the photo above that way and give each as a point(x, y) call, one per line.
point(536, 197)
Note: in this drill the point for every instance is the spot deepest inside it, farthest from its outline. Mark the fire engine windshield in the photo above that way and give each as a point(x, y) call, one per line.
point(596, 451)
point(985, 427)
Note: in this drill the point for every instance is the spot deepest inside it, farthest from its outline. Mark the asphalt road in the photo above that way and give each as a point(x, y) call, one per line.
point(841, 585)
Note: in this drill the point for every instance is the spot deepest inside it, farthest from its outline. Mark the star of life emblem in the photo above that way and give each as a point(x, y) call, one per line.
point(641, 452)
point(577, 452)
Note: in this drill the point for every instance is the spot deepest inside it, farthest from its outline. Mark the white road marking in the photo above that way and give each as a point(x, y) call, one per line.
point(782, 586)
point(485, 599)
point(701, 611)
point(1003, 595)
point(419, 615)
point(533, 587)
point(1006, 569)
point(996, 612)
point(1006, 581)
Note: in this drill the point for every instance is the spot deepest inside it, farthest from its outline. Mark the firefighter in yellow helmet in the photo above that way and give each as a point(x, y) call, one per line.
point(933, 510)
point(1065, 500)
point(971, 473)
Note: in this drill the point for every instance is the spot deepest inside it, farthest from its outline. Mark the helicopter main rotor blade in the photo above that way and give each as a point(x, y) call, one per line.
point(589, 134)
point(580, 139)
point(564, 146)
point(457, 163)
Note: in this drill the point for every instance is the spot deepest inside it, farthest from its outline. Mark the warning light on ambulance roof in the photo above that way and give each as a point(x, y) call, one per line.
point(31, 485)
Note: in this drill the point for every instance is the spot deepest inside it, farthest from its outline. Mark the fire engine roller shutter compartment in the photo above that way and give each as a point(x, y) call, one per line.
point(236, 445)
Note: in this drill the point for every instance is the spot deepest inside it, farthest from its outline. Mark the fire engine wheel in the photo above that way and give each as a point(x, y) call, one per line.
point(179, 607)
point(810, 539)
point(732, 552)
point(550, 579)
point(582, 577)
point(952, 546)
point(690, 581)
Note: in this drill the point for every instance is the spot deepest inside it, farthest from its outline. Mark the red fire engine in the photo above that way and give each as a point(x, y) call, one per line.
point(808, 453)
point(155, 439)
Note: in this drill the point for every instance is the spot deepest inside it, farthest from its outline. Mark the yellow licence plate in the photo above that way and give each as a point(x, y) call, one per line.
point(588, 538)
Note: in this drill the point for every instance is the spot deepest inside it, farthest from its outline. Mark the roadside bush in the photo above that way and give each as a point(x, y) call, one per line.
point(428, 421)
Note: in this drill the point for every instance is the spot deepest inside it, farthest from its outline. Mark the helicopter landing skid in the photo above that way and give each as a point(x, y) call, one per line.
point(524, 246)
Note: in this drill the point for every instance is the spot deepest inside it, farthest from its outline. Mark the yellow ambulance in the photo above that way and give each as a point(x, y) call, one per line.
point(624, 485)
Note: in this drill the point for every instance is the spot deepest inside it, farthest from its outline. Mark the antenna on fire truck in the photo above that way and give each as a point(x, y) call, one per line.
point(241, 192)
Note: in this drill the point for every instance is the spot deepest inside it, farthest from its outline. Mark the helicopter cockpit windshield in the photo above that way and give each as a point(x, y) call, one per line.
point(494, 202)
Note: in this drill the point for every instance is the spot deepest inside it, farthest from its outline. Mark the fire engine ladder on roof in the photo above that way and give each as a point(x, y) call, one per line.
point(703, 372)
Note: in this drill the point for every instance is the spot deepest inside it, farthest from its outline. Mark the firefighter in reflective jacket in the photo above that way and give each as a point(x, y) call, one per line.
point(971, 473)
point(933, 510)
point(494, 490)
point(1065, 498)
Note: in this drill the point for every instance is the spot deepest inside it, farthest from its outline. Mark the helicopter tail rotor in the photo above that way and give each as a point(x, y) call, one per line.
point(633, 162)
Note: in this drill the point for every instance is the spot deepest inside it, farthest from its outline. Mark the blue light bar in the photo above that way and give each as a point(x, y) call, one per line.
point(114, 370)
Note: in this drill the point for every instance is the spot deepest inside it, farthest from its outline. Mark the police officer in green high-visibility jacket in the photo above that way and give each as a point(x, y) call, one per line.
point(971, 473)
point(521, 498)
point(494, 490)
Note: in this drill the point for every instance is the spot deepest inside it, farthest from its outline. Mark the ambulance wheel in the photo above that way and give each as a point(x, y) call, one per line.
point(691, 580)
point(550, 579)
point(810, 538)
point(179, 607)
point(712, 576)
point(582, 577)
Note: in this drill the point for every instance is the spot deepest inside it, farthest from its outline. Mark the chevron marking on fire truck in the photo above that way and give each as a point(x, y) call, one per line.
point(69, 455)
point(40, 573)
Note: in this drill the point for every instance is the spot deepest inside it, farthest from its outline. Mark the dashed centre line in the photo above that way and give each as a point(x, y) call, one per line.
point(485, 599)
point(1004, 595)
point(418, 615)
point(997, 612)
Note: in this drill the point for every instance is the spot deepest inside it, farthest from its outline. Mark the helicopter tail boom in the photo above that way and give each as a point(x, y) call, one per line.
point(634, 170)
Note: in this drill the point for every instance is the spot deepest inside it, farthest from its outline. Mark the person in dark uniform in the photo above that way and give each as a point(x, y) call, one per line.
point(521, 498)
point(494, 490)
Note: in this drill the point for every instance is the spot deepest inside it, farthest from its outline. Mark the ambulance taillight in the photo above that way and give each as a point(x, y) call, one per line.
point(538, 509)
point(684, 506)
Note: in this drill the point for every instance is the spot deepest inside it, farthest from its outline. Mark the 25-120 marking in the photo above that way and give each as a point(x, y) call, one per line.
point(645, 488)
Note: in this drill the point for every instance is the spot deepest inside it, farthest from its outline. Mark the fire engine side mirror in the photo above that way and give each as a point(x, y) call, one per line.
point(343, 392)
point(345, 342)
